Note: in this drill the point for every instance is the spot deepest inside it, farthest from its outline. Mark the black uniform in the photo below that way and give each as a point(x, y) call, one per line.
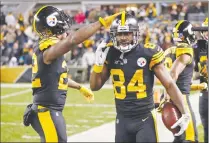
point(133, 79)
point(203, 102)
point(49, 83)
point(183, 82)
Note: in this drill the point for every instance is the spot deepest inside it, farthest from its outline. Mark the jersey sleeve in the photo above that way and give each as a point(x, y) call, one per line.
point(46, 43)
point(156, 55)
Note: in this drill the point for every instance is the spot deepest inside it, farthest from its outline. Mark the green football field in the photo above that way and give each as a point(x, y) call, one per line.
point(79, 114)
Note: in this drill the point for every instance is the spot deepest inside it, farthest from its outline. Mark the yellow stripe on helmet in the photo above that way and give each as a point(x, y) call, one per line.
point(175, 34)
point(205, 23)
point(35, 17)
point(123, 17)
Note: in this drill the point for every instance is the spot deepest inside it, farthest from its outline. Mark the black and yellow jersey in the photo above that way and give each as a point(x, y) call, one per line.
point(185, 78)
point(203, 62)
point(133, 78)
point(49, 82)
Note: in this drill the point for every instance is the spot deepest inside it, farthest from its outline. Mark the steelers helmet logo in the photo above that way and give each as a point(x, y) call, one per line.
point(51, 20)
point(141, 62)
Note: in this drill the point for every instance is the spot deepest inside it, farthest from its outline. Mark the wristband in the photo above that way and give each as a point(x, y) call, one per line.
point(97, 69)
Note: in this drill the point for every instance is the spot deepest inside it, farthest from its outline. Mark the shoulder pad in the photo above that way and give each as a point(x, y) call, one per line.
point(46, 43)
point(183, 45)
point(184, 50)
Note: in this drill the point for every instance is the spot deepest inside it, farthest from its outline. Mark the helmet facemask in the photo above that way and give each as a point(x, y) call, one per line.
point(125, 36)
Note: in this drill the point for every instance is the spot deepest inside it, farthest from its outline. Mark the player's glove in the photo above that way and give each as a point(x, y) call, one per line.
point(203, 85)
point(107, 21)
point(203, 69)
point(182, 123)
point(101, 54)
point(87, 93)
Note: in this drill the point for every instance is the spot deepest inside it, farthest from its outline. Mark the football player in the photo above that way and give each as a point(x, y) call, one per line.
point(132, 67)
point(179, 59)
point(49, 72)
point(202, 64)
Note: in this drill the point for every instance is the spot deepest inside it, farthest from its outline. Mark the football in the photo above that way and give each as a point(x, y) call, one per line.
point(170, 115)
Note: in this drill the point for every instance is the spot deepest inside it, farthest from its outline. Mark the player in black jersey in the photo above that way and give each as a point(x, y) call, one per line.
point(179, 60)
point(49, 71)
point(132, 67)
point(202, 68)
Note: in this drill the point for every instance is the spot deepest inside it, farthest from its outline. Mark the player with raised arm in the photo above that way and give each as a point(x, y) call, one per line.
point(132, 67)
point(49, 72)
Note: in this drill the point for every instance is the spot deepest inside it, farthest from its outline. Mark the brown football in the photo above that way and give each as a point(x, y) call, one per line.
point(170, 115)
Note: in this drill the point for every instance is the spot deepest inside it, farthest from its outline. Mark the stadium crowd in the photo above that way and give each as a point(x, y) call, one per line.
point(18, 38)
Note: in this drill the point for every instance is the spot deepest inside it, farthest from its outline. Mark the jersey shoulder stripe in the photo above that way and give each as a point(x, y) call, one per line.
point(46, 43)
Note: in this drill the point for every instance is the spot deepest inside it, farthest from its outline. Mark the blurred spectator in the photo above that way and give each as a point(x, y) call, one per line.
point(10, 19)
point(10, 36)
point(2, 18)
point(197, 8)
point(88, 60)
point(13, 62)
point(28, 57)
point(141, 13)
point(21, 38)
point(87, 12)
point(80, 17)
point(76, 56)
point(174, 12)
point(110, 10)
point(16, 51)
point(151, 11)
point(183, 13)
point(103, 12)
point(21, 19)
point(93, 14)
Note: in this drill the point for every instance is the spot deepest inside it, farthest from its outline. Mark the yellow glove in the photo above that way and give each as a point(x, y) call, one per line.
point(203, 70)
point(201, 86)
point(107, 21)
point(87, 93)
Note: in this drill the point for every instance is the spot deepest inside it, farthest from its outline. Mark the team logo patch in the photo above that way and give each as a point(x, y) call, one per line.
point(141, 62)
point(51, 20)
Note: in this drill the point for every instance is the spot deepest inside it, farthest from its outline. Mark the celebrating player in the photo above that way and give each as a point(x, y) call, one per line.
point(49, 79)
point(132, 67)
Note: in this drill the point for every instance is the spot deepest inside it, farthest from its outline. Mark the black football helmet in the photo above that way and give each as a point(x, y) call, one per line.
point(182, 32)
point(124, 23)
point(50, 21)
